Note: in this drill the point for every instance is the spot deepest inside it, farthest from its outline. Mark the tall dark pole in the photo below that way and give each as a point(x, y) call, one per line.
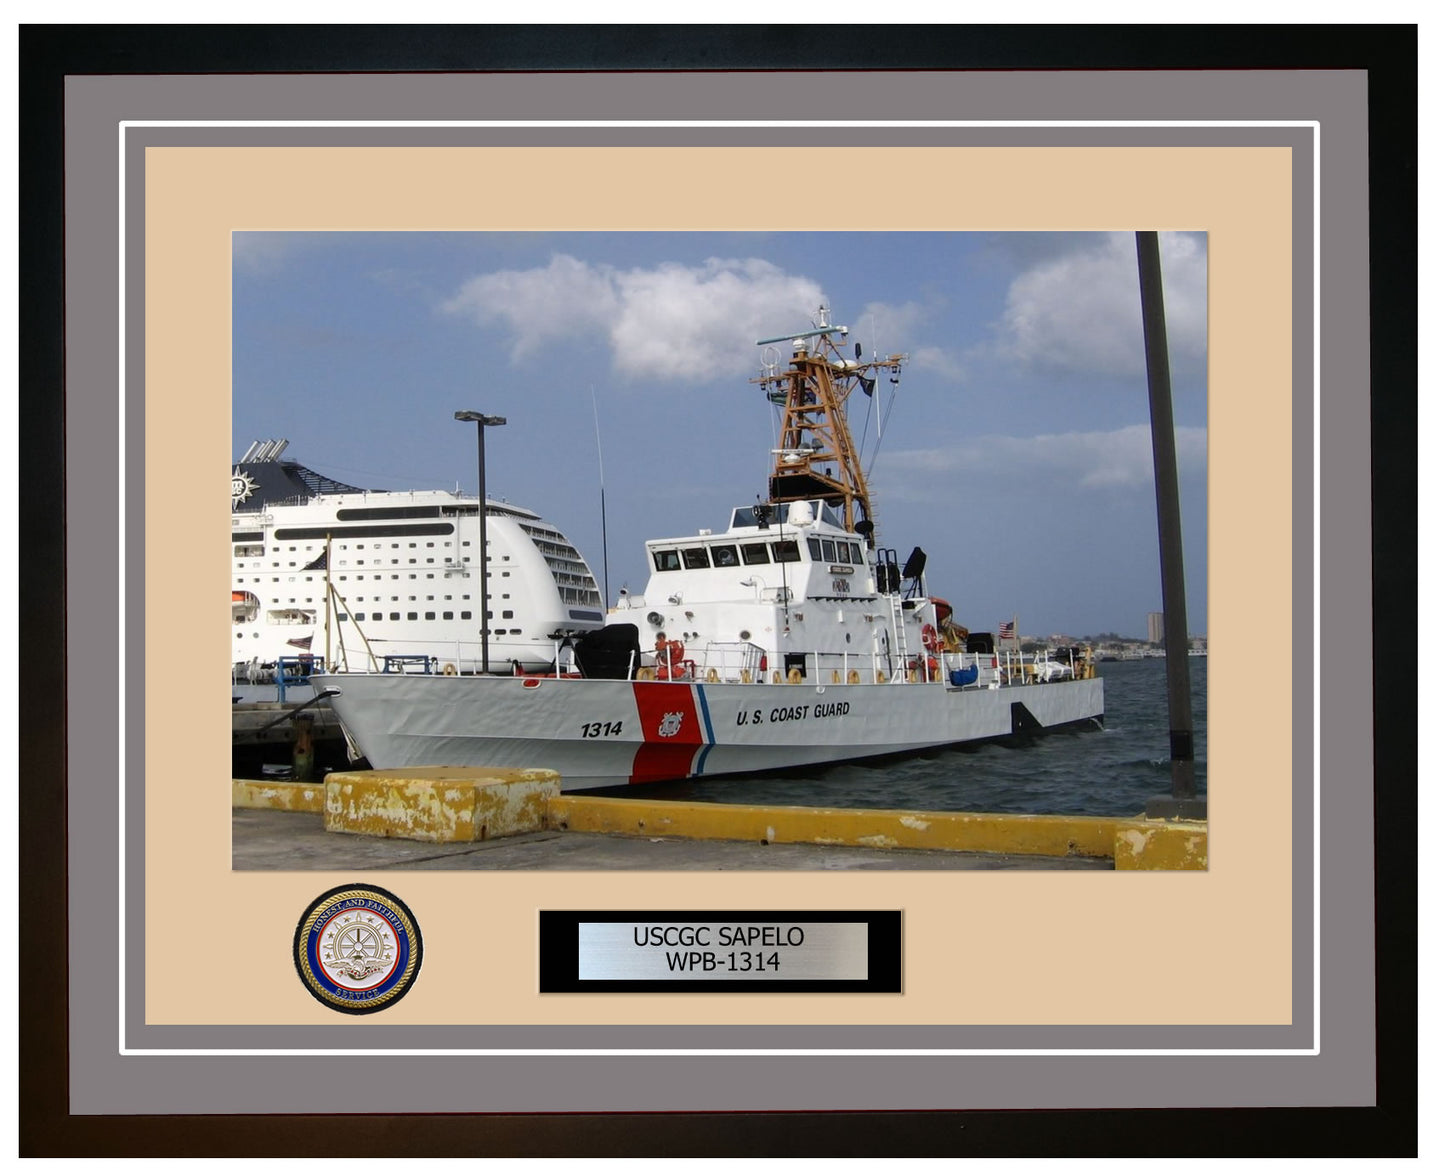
point(1182, 801)
point(482, 422)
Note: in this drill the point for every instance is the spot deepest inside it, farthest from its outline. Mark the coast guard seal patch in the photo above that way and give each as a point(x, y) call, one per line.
point(357, 948)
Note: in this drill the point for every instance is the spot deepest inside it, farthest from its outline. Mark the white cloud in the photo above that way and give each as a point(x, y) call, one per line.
point(672, 322)
point(1080, 312)
point(1118, 459)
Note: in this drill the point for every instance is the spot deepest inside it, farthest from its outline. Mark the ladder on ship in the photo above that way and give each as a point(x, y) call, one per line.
point(889, 580)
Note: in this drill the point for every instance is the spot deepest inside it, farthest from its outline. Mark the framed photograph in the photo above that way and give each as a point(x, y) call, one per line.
point(539, 269)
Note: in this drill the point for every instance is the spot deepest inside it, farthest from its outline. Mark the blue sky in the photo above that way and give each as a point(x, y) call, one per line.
point(1016, 451)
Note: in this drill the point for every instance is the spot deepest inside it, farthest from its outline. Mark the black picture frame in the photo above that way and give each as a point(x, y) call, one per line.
point(49, 53)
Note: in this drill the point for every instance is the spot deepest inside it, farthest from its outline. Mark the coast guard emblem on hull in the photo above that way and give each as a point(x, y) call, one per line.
point(671, 724)
point(357, 949)
point(242, 487)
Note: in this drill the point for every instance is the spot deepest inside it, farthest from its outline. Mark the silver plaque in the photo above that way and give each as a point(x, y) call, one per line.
point(742, 951)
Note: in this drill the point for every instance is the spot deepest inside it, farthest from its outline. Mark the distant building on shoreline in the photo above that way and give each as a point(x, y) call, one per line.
point(1156, 628)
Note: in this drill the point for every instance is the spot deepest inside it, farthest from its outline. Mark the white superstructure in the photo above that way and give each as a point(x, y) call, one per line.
point(351, 576)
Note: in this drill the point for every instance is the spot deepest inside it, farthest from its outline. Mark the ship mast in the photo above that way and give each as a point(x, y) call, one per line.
point(816, 456)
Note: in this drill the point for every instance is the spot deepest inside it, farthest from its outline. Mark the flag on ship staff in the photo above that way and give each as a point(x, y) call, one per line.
point(318, 564)
point(1007, 630)
point(301, 642)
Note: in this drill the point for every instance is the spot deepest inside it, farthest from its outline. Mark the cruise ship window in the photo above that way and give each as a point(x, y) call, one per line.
point(411, 616)
point(506, 614)
point(396, 616)
point(755, 553)
point(431, 616)
point(446, 616)
point(466, 616)
point(376, 616)
point(516, 630)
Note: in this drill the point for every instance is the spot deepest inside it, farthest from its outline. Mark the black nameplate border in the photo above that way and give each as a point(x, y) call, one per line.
point(721, 951)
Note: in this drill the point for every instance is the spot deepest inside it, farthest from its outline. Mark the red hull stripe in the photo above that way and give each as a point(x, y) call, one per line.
point(671, 732)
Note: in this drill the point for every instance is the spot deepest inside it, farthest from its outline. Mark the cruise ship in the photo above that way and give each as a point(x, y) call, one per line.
point(326, 572)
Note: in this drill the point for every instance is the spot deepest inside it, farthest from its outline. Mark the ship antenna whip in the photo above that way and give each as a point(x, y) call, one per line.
point(602, 494)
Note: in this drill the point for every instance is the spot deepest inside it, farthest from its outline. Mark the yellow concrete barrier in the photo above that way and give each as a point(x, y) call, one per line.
point(282, 795)
point(1161, 845)
point(440, 804)
point(1133, 843)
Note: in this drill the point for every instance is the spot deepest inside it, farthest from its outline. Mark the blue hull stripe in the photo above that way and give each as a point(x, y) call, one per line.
point(707, 730)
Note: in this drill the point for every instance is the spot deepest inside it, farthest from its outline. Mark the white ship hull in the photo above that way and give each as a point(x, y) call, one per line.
point(599, 733)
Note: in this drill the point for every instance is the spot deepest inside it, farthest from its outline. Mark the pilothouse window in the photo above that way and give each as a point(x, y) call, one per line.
point(785, 551)
point(755, 553)
point(694, 557)
point(666, 561)
point(725, 555)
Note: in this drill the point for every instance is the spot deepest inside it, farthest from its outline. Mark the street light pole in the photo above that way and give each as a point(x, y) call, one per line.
point(482, 422)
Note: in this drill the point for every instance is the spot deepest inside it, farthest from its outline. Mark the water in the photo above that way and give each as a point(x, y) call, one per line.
point(1087, 772)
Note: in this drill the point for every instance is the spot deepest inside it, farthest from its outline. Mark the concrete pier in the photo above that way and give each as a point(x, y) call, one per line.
point(506, 819)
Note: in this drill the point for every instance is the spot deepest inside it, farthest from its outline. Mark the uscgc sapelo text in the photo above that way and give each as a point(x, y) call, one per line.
point(684, 935)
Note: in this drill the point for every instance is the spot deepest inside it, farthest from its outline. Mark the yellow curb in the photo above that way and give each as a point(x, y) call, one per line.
point(282, 795)
point(440, 804)
point(1161, 845)
point(1145, 844)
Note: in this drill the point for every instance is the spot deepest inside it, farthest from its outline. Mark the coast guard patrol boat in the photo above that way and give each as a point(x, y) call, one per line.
point(788, 637)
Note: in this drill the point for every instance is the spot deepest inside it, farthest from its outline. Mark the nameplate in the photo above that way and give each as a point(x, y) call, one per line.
point(721, 951)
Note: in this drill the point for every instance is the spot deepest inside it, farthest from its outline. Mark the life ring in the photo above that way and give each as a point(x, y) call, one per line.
point(852, 677)
point(449, 670)
point(930, 638)
point(711, 674)
point(795, 676)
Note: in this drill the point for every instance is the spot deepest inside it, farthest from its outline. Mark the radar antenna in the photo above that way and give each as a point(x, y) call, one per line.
point(816, 457)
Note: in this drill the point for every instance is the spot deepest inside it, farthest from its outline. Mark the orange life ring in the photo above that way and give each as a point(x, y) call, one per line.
point(930, 638)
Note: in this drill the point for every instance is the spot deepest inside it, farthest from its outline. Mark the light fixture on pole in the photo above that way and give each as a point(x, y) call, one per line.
point(482, 422)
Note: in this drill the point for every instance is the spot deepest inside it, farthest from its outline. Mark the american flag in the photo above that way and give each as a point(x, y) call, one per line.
point(1005, 629)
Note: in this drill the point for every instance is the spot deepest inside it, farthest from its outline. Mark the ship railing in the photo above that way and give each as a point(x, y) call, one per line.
point(724, 661)
point(408, 663)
